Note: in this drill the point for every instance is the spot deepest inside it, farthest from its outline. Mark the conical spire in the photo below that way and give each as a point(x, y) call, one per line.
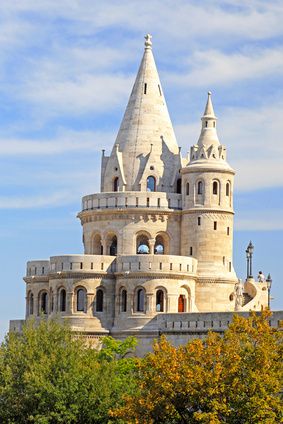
point(208, 135)
point(146, 129)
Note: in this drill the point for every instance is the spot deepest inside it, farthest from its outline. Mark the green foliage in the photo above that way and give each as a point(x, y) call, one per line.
point(48, 376)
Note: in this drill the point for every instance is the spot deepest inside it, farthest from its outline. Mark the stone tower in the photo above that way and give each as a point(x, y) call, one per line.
point(207, 218)
point(157, 238)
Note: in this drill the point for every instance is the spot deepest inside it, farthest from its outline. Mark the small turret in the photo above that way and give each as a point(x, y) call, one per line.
point(208, 147)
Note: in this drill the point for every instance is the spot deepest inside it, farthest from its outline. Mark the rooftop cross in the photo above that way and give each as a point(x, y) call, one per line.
point(148, 42)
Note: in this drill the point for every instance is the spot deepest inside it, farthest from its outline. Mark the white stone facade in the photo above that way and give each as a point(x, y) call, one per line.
point(158, 239)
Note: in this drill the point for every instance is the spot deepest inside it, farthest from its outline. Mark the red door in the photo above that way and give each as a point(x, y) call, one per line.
point(181, 303)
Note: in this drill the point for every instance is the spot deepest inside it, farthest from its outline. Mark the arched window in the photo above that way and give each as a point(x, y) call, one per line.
point(31, 303)
point(227, 189)
point(200, 187)
point(159, 246)
point(81, 300)
point(140, 300)
point(116, 184)
point(44, 302)
point(160, 301)
point(99, 300)
point(150, 183)
point(187, 189)
point(181, 303)
point(113, 247)
point(179, 186)
point(215, 187)
point(62, 300)
point(124, 300)
point(142, 244)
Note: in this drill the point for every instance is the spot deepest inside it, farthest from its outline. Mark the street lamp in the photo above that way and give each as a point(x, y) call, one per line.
point(269, 284)
point(249, 255)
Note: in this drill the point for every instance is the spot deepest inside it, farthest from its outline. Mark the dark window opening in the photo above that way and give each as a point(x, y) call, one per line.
point(44, 302)
point(228, 231)
point(187, 189)
point(116, 184)
point(199, 220)
point(113, 247)
point(145, 88)
point(191, 251)
point(124, 301)
point(31, 304)
point(179, 186)
point(160, 301)
point(200, 187)
point(215, 187)
point(62, 305)
point(215, 225)
point(99, 300)
point(206, 124)
point(227, 189)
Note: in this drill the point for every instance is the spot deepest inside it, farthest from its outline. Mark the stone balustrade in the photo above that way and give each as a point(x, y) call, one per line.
point(156, 263)
point(132, 199)
point(72, 263)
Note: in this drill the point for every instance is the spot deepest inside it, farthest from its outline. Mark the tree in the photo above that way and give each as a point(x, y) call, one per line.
point(48, 376)
point(232, 379)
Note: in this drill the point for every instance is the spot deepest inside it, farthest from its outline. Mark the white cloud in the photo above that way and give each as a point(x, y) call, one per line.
point(213, 67)
point(65, 141)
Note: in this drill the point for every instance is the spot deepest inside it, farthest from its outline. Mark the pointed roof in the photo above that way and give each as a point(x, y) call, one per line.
point(208, 136)
point(146, 123)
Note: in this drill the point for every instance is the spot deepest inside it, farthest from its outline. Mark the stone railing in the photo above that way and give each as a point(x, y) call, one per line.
point(132, 200)
point(37, 268)
point(72, 263)
point(156, 263)
point(202, 322)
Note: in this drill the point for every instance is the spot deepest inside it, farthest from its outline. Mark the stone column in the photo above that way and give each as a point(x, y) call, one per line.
point(151, 243)
point(70, 303)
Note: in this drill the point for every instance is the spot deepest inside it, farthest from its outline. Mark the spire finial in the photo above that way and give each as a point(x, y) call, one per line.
point(148, 42)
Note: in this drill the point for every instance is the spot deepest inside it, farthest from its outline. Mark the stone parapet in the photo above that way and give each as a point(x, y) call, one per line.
point(168, 264)
point(132, 199)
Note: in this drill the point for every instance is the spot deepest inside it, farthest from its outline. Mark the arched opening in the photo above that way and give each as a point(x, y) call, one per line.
point(116, 184)
point(140, 300)
point(124, 300)
point(99, 300)
point(181, 303)
point(179, 186)
point(160, 301)
point(62, 300)
point(142, 244)
point(200, 187)
point(44, 302)
point(215, 187)
point(159, 246)
point(150, 183)
point(187, 189)
point(113, 247)
point(81, 300)
point(31, 304)
point(96, 245)
point(51, 295)
point(227, 189)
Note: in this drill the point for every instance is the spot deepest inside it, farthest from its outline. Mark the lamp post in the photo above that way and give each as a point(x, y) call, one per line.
point(269, 284)
point(249, 255)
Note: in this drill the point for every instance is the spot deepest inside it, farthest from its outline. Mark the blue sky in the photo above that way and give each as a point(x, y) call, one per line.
point(66, 71)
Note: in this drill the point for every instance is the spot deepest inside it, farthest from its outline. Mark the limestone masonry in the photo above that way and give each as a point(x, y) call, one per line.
point(158, 238)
